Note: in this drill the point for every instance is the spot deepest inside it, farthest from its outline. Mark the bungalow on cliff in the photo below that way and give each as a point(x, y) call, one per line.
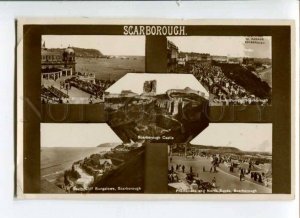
point(105, 163)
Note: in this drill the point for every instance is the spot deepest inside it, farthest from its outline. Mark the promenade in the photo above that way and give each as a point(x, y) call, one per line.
point(76, 96)
point(224, 180)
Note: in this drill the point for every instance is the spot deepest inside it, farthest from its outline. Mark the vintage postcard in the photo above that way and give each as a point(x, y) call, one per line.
point(155, 109)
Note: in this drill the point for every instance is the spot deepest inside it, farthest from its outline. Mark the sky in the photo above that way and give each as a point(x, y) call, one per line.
point(107, 45)
point(246, 137)
point(232, 46)
point(76, 135)
point(135, 82)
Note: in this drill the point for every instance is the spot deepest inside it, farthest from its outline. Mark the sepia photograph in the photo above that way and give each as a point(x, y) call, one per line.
point(89, 158)
point(224, 159)
point(157, 107)
point(144, 109)
point(235, 70)
point(76, 69)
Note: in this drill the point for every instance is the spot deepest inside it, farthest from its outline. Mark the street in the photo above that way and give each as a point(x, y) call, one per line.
point(224, 180)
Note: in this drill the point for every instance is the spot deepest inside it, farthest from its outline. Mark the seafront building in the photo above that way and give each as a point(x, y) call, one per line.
point(61, 83)
point(56, 63)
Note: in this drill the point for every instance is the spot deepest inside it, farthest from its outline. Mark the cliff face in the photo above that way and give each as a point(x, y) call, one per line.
point(219, 148)
point(81, 52)
point(128, 174)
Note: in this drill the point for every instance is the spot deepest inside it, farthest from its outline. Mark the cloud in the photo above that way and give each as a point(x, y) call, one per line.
point(264, 146)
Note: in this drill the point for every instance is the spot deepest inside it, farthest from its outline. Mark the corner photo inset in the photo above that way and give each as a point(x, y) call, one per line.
point(89, 158)
point(235, 70)
point(225, 159)
point(76, 69)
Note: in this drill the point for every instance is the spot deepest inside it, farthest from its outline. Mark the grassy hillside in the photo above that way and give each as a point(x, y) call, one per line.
point(81, 52)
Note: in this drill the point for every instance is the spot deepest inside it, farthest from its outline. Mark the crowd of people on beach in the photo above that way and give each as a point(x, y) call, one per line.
point(242, 168)
point(191, 177)
point(52, 95)
point(225, 90)
point(96, 89)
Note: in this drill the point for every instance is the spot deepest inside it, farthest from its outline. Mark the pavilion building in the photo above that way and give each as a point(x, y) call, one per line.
point(56, 63)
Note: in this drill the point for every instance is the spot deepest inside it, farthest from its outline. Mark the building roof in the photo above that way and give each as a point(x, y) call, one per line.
point(181, 55)
point(69, 50)
point(171, 44)
point(103, 161)
point(219, 56)
point(127, 92)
